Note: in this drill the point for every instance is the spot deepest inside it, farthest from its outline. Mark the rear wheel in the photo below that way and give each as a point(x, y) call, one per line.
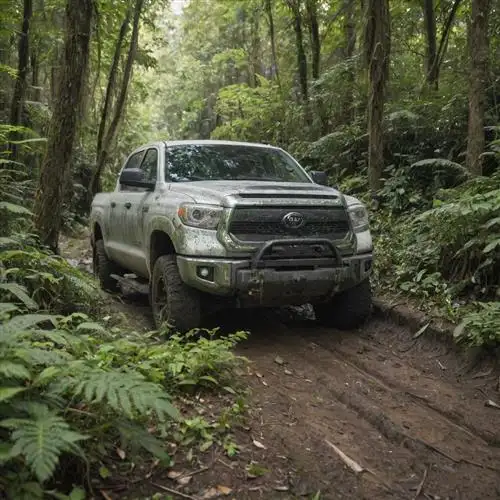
point(104, 267)
point(347, 310)
point(172, 301)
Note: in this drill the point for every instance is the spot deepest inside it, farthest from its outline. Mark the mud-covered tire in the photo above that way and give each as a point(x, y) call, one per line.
point(347, 310)
point(172, 301)
point(104, 267)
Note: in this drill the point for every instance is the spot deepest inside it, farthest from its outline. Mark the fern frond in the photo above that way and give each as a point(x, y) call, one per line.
point(38, 356)
point(18, 324)
point(9, 392)
point(41, 440)
point(9, 369)
point(125, 392)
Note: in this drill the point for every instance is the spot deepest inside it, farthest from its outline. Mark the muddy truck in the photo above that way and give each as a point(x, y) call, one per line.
point(202, 225)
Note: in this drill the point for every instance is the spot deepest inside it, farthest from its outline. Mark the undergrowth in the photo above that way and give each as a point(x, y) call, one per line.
point(445, 253)
point(72, 391)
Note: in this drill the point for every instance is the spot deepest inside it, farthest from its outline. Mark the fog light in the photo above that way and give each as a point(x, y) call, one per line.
point(205, 272)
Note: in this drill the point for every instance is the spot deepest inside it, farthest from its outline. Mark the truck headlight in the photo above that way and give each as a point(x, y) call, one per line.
point(359, 218)
point(202, 216)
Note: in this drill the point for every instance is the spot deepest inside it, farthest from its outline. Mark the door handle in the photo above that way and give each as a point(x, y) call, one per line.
point(145, 209)
point(113, 204)
point(128, 204)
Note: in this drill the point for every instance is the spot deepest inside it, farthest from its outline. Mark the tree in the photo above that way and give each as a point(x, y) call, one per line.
point(272, 38)
point(430, 30)
point(478, 78)
point(57, 161)
point(105, 139)
point(435, 55)
point(294, 6)
point(312, 15)
point(20, 86)
point(377, 52)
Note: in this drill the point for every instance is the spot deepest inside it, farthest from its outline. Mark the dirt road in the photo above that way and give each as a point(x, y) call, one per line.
point(398, 407)
point(406, 410)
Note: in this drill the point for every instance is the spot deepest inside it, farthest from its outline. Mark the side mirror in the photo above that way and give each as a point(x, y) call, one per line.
point(135, 177)
point(319, 177)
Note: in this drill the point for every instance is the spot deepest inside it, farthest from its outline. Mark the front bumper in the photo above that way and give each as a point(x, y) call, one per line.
point(272, 282)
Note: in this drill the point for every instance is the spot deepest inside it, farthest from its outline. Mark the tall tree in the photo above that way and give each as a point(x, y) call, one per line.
point(110, 135)
point(377, 53)
point(294, 6)
point(272, 38)
point(312, 15)
point(430, 30)
point(435, 54)
point(349, 28)
point(19, 95)
point(67, 109)
point(478, 76)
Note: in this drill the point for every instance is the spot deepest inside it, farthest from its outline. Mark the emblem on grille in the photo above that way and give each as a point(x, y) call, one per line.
point(293, 220)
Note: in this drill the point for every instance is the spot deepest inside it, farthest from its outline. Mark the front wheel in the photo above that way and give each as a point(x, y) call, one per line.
point(104, 267)
point(172, 301)
point(347, 310)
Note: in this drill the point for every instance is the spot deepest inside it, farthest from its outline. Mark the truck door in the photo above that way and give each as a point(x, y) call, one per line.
point(139, 202)
point(117, 215)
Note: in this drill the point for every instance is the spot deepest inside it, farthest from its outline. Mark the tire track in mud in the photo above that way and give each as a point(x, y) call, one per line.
point(380, 409)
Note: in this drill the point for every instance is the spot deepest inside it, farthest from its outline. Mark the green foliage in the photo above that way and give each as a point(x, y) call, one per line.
point(183, 363)
point(49, 374)
point(447, 255)
point(48, 279)
point(481, 326)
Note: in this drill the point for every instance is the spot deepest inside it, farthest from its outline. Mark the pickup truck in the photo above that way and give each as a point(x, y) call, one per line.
point(204, 224)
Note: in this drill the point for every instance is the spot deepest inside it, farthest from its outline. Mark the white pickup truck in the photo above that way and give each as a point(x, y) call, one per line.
point(206, 224)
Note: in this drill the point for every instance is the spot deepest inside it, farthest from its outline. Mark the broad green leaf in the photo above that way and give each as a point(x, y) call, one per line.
point(21, 293)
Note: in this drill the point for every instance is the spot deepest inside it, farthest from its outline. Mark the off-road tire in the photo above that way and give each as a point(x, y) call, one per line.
point(347, 310)
point(104, 267)
point(180, 305)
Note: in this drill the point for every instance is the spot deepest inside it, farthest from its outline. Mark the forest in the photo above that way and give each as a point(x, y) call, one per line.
point(398, 101)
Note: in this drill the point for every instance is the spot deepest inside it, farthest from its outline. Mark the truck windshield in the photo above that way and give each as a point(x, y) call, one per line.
point(210, 162)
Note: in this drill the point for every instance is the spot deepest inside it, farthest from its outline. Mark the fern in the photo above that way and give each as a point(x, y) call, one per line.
point(125, 392)
point(41, 440)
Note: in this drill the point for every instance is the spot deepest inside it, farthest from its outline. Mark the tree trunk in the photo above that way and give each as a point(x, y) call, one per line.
point(312, 14)
point(111, 83)
point(269, 12)
point(350, 46)
point(19, 95)
point(377, 52)
point(478, 77)
point(434, 63)
point(430, 30)
point(57, 161)
point(294, 6)
point(95, 185)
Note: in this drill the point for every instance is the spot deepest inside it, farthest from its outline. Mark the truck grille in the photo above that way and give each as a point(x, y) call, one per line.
point(265, 223)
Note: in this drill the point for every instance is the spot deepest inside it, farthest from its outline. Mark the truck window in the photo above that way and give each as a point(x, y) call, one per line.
point(150, 165)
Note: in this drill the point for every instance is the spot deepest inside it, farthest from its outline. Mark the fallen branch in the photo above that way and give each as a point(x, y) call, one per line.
point(348, 461)
point(421, 485)
point(174, 492)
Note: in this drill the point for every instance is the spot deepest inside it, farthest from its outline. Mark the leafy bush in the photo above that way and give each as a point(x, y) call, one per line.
point(480, 327)
point(51, 281)
point(183, 362)
point(56, 399)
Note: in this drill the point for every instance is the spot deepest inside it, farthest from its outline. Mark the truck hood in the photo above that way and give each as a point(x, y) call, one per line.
point(217, 192)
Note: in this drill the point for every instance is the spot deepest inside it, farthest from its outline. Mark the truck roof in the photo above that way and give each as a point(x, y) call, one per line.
point(215, 142)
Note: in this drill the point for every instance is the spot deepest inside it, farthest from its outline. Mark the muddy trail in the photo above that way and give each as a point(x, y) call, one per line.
point(410, 414)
